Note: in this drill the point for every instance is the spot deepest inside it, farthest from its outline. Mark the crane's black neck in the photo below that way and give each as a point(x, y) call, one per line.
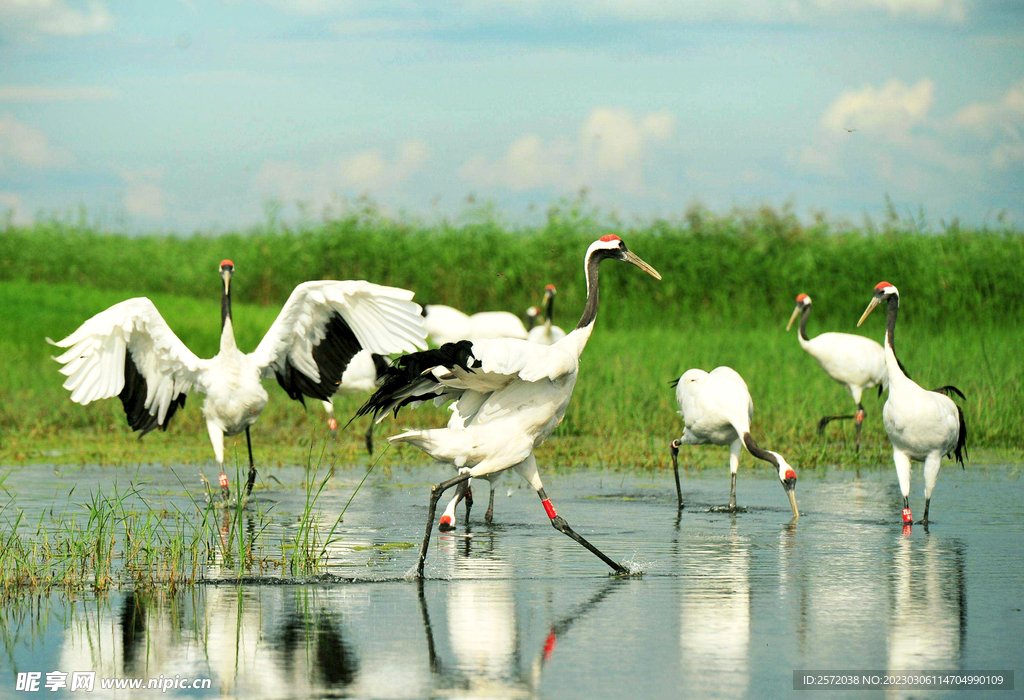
point(803, 322)
point(890, 325)
point(755, 449)
point(225, 307)
point(592, 266)
point(549, 309)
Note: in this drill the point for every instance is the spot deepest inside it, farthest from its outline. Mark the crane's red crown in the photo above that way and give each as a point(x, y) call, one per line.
point(800, 297)
point(610, 237)
point(225, 263)
point(790, 474)
point(549, 288)
point(882, 285)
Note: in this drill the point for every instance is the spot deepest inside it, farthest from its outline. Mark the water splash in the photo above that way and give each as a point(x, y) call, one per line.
point(638, 568)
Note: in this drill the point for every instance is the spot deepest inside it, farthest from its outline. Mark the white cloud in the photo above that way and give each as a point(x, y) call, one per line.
point(948, 10)
point(999, 125)
point(867, 116)
point(364, 17)
point(48, 93)
point(143, 196)
point(312, 7)
point(54, 17)
point(609, 149)
point(991, 118)
point(25, 146)
point(374, 26)
point(361, 172)
point(12, 205)
point(890, 110)
point(756, 11)
point(888, 134)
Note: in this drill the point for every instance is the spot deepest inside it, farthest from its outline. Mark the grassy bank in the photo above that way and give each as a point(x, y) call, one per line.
point(623, 412)
point(731, 270)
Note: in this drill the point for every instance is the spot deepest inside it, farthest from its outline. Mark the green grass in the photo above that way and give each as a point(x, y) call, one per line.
point(742, 269)
point(622, 414)
point(94, 540)
point(728, 289)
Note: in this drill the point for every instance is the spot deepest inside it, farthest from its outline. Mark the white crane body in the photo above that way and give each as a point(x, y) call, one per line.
point(856, 362)
point(129, 351)
point(509, 395)
point(922, 425)
point(717, 410)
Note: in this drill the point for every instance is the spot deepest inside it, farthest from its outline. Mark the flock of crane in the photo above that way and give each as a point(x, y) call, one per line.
point(508, 386)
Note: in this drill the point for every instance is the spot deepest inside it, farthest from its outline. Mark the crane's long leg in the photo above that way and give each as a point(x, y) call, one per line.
point(489, 515)
point(858, 418)
point(217, 440)
point(558, 522)
point(528, 470)
point(902, 462)
point(435, 495)
point(252, 465)
point(673, 448)
point(734, 467)
point(931, 474)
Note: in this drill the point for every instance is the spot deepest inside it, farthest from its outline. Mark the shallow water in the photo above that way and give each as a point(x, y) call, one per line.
point(728, 605)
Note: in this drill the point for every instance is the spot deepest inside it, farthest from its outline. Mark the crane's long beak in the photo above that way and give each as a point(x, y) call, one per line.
point(792, 501)
point(796, 312)
point(226, 276)
point(633, 258)
point(871, 307)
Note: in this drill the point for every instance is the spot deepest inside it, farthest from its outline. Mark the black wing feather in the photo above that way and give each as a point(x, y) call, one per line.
point(409, 369)
point(380, 364)
point(133, 398)
point(331, 356)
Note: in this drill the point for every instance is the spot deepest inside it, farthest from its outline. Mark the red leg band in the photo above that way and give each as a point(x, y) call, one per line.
point(549, 509)
point(549, 645)
point(223, 479)
point(907, 518)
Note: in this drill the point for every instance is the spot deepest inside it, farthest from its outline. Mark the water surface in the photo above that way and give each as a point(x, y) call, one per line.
point(727, 607)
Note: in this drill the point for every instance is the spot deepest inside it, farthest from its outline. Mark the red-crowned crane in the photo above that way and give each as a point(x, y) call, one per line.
point(922, 425)
point(852, 360)
point(547, 334)
point(717, 409)
point(130, 352)
point(509, 396)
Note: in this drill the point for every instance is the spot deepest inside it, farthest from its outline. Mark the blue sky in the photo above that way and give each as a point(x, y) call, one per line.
point(185, 115)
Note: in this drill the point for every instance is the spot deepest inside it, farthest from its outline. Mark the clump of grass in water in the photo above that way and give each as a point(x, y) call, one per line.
point(310, 551)
point(115, 539)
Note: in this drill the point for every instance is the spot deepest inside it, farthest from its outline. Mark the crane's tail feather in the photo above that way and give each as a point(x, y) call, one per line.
point(960, 451)
point(949, 390)
point(675, 382)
